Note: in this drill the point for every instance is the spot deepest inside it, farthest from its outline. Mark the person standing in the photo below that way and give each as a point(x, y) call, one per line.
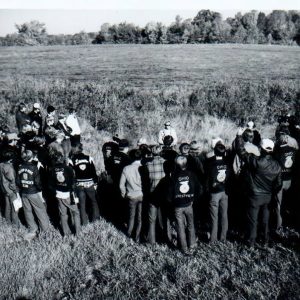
point(168, 130)
point(86, 183)
point(73, 124)
point(184, 188)
point(36, 116)
point(286, 156)
point(155, 189)
point(263, 179)
point(62, 182)
point(30, 185)
point(9, 187)
point(217, 170)
point(22, 118)
point(131, 189)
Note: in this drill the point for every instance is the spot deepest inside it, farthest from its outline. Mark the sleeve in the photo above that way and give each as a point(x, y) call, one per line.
point(37, 179)
point(11, 178)
point(249, 159)
point(160, 137)
point(278, 183)
point(174, 135)
point(122, 184)
point(93, 170)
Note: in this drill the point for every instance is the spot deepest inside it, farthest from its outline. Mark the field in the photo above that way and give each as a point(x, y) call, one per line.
point(206, 91)
point(151, 66)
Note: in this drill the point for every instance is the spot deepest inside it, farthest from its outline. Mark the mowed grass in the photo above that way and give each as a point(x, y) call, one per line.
point(151, 65)
point(102, 263)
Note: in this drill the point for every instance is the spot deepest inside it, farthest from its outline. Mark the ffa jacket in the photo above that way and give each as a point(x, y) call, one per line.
point(184, 188)
point(29, 179)
point(217, 171)
point(62, 178)
point(84, 168)
point(285, 155)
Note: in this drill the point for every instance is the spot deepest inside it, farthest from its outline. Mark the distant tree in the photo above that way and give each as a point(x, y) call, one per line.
point(81, 38)
point(162, 37)
point(31, 33)
point(151, 33)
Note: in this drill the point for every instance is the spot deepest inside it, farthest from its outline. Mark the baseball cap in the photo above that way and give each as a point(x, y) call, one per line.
point(168, 123)
point(267, 145)
point(216, 141)
point(37, 105)
point(123, 144)
point(142, 141)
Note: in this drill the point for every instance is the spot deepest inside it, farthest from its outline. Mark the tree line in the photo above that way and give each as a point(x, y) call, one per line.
point(278, 27)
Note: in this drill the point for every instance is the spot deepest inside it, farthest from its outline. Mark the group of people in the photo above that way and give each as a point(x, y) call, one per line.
point(152, 192)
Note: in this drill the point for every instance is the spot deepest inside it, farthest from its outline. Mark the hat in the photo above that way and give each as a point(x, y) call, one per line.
point(168, 123)
point(250, 125)
point(195, 145)
point(123, 144)
point(184, 146)
point(142, 141)
point(37, 105)
point(12, 136)
point(216, 141)
point(267, 145)
point(50, 109)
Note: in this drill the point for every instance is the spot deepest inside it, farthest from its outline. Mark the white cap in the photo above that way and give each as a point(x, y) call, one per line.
point(215, 141)
point(250, 125)
point(141, 141)
point(36, 105)
point(267, 145)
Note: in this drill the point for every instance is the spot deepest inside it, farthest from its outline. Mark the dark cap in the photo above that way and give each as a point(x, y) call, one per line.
point(123, 144)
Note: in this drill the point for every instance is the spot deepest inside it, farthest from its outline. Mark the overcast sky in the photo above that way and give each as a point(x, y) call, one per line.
point(71, 16)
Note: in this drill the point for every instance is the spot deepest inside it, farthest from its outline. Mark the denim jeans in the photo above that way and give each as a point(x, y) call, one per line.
point(64, 205)
point(34, 202)
point(185, 215)
point(218, 203)
point(83, 195)
point(135, 217)
point(286, 185)
point(255, 206)
point(10, 214)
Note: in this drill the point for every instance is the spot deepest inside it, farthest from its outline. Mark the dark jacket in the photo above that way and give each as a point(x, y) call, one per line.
point(84, 168)
point(184, 188)
point(62, 178)
point(285, 155)
point(37, 117)
point(263, 174)
point(28, 178)
point(22, 119)
point(217, 173)
point(116, 164)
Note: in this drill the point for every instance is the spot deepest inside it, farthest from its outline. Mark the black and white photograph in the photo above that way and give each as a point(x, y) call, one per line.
point(149, 149)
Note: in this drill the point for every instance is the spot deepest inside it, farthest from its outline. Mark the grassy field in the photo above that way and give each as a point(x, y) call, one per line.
point(131, 89)
point(152, 66)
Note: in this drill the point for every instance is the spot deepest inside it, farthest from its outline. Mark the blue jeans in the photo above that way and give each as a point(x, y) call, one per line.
point(83, 195)
point(218, 202)
point(286, 185)
point(135, 217)
point(185, 215)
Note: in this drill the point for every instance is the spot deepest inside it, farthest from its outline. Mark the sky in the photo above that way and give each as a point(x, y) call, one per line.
point(71, 16)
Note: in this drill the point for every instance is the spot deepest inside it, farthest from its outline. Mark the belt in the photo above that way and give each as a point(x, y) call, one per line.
point(85, 184)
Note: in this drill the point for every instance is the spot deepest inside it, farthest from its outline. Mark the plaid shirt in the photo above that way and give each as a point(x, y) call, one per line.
point(156, 171)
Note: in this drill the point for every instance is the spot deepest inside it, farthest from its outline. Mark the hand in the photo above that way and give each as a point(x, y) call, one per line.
point(95, 186)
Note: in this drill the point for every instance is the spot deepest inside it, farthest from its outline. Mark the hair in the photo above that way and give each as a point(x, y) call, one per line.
point(136, 154)
point(50, 109)
point(168, 140)
point(7, 155)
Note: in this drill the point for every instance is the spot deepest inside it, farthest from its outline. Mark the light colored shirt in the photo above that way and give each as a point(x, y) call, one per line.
point(131, 182)
point(72, 122)
point(164, 132)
